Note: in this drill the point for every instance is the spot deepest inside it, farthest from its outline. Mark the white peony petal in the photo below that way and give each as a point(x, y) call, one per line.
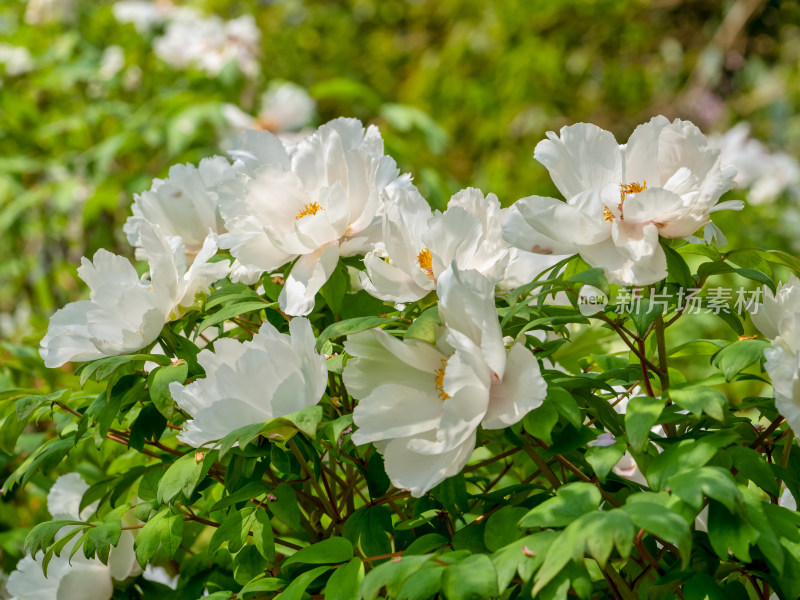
point(521, 390)
point(308, 275)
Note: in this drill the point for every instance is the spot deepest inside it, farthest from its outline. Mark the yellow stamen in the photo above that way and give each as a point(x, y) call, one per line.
point(308, 209)
point(624, 190)
point(440, 381)
point(426, 263)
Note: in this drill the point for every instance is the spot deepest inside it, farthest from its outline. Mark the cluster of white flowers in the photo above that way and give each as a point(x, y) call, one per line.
point(766, 175)
point(76, 577)
point(620, 199)
point(279, 207)
point(778, 318)
point(192, 39)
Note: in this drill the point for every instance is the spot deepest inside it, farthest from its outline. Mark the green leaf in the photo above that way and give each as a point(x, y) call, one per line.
point(605, 530)
point(677, 269)
point(42, 535)
point(474, 578)
point(251, 490)
point(663, 523)
point(603, 458)
point(424, 327)
point(540, 421)
point(234, 529)
point(27, 405)
point(348, 326)
point(714, 482)
point(368, 528)
point(247, 564)
point(565, 404)
point(182, 476)
point(377, 479)
point(164, 530)
point(422, 585)
point(595, 277)
point(242, 436)
point(426, 543)
point(641, 414)
point(230, 311)
point(258, 586)
point(753, 466)
point(502, 527)
point(729, 531)
point(285, 506)
point(703, 587)
point(331, 550)
point(263, 536)
point(158, 383)
point(345, 581)
point(306, 420)
point(298, 586)
point(571, 501)
point(391, 575)
point(699, 399)
point(733, 359)
point(334, 290)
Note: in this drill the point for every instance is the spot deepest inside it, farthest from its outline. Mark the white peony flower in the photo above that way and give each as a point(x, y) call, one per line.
point(766, 174)
point(270, 376)
point(78, 578)
point(285, 107)
point(125, 313)
point(422, 403)
point(665, 182)
point(523, 267)
point(209, 43)
point(313, 202)
point(777, 318)
point(419, 245)
point(184, 204)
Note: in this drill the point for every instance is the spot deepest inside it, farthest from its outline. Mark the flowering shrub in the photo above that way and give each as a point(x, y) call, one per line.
point(320, 386)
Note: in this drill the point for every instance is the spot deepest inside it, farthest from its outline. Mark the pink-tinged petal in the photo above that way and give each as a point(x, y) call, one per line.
point(395, 410)
point(620, 269)
point(635, 241)
point(583, 158)
point(308, 275)
point(520, 391)
point(419, 473)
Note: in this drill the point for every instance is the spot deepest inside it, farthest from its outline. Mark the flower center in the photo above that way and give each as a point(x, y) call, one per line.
point(309, 209)
point(624, 190)
point(426, 263)
point(440, 380)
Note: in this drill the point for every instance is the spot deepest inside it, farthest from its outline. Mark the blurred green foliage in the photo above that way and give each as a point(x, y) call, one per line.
point(462, 90)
